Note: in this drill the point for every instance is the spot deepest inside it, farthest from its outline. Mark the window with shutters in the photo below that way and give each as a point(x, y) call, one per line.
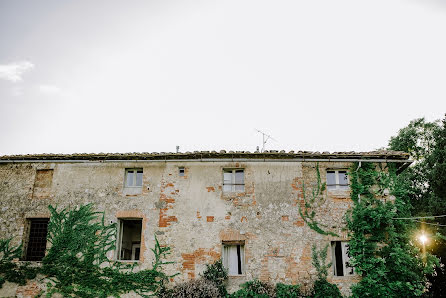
point(233, 257)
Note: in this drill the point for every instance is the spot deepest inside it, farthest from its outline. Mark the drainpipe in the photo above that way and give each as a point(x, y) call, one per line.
point(357, 178)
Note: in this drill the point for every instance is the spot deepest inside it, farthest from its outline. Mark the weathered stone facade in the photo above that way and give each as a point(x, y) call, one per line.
point(190, 212)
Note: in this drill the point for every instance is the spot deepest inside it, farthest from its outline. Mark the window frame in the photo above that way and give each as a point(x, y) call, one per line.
point(347, 270)
point(27, 240)
point(119, 239)
point(337, 185)
point(226, 259)
point(181, 171)
point(233, 183)
point(135, 177)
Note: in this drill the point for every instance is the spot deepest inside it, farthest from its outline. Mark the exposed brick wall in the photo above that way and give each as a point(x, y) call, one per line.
point(167, 196)
point(30, 290)
point(199, 256)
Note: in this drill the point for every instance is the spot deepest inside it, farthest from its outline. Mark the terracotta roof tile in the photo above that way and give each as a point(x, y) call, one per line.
point(271, 154)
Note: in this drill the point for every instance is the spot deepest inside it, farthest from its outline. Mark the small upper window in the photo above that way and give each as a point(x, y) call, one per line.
point(133, 177)
point(337, 179)
point(181, 171)
point(233, 180)
point(341, 258)
point(234, 258)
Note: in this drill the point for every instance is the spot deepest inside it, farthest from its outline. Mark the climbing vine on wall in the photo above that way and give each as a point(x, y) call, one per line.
point(77, 262)
point(10, 270)
point(382, 247)
point(311, 203)
point(322, 288)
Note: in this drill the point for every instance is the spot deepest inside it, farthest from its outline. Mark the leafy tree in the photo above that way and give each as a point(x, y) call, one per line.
point(425, 182)
point(381, 246)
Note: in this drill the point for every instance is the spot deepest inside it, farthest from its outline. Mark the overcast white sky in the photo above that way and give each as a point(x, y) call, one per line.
point(145, 76)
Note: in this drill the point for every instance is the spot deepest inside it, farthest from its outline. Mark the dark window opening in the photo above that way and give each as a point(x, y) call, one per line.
point(339, 266)
point(341, 258)
point(239, 260)
point(36, 246)
point(129, 240)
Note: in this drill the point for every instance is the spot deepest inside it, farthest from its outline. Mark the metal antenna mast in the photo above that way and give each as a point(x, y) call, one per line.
point(265, 138)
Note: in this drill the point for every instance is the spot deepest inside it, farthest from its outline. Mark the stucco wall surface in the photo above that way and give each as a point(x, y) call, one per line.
point(190, 213)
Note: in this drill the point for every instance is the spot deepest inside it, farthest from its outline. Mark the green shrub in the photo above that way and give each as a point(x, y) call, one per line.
point(287, 291)
point(217, 274)
point(255, 288)
point(323, 289)
point(194, 288)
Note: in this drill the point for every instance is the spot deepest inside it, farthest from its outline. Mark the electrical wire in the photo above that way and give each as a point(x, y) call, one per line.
point(429, 223)
point(420, 217)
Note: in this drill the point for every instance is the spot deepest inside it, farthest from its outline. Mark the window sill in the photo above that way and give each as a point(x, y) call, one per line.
point(339, 193)
point(29, 262)
point(336, 278)
point(129, 261)
point(236, 276)
point(132, 191)
point(232, 195)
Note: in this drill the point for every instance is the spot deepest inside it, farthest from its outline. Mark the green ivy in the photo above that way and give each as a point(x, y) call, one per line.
point(10, 270)
point(311, 203)
point(77, 263)
point(322, 288)
point(382, 247)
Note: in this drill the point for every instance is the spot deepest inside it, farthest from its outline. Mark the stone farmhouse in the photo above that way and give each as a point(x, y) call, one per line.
point(241, 207)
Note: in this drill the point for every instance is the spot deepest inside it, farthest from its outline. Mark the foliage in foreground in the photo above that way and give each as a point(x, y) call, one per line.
point(381, 245)
point(257, 288)
point(200, 287)
point(210, 284)
point(217, 274)
point(426, 187)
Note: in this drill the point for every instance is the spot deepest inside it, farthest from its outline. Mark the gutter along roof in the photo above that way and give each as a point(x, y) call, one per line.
point(395, 156)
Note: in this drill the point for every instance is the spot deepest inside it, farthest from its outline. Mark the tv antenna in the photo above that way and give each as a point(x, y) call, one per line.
point(265, 138)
